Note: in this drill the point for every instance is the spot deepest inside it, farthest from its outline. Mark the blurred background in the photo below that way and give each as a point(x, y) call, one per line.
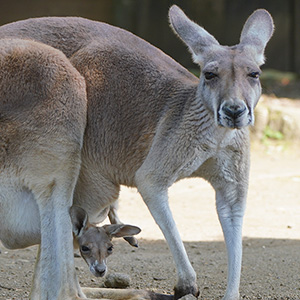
point(148, 19)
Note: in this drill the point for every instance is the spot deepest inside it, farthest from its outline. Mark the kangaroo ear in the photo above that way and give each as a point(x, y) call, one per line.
point(194, 36)
point(121, 230)
point(79, 219)
point(256, 33)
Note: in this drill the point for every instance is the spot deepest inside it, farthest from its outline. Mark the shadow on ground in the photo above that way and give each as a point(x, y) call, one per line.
point(270, 268)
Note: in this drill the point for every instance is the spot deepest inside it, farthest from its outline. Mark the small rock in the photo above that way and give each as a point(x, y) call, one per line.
point(117, 280)
point(188, 297)
point(158, 278)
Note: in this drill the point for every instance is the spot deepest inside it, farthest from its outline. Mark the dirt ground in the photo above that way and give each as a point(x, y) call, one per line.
point(271, 259)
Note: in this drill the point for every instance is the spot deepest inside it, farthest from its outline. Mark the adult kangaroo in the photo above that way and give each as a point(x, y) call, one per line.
point(150, 122)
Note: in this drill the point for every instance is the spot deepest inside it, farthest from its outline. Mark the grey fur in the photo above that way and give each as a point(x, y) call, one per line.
point(150, 122)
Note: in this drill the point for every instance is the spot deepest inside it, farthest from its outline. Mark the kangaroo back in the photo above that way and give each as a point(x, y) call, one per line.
point(42, 103)
point(130, 84)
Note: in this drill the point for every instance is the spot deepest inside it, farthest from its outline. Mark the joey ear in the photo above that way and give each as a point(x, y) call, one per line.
point(194, 36)
point(79, 219)
point(256, 33)
point(121, 230)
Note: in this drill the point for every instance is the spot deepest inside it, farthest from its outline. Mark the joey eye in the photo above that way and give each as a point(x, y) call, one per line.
point(110, 249)
point(254, 74)
point(85, 249)
point(210, 75)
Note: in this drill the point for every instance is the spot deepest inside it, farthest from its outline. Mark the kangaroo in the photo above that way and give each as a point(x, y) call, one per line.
point(42, 121)
point(150, 122)
point(94, 242)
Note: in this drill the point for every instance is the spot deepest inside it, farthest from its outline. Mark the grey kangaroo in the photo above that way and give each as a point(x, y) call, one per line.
point(150, 122)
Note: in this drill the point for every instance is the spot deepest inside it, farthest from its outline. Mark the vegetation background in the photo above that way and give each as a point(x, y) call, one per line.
point(148, 19)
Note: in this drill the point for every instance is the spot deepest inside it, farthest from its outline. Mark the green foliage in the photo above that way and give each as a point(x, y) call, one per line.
point(273, 134)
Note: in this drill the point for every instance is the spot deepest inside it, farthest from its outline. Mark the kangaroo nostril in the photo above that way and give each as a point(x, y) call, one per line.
point(234, 111)
point(100, 272)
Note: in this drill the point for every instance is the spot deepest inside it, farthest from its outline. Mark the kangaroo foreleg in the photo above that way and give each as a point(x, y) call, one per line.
point(230, 206)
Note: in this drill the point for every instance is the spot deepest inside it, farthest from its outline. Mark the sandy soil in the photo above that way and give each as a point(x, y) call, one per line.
point(271, 262)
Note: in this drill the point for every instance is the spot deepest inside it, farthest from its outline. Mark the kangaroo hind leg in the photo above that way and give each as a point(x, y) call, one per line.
point(43, 118)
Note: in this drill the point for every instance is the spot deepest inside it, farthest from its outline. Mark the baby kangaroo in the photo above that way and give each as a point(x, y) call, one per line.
point(94, 242)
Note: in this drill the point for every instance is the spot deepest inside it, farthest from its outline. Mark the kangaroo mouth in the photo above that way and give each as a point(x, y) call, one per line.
point(234, 123)
point(234, 115)
point(98, 270)
point(100, 273)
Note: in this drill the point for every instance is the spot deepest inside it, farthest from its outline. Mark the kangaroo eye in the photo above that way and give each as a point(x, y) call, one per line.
point(210, 75)
point(110, 249)
point(85, 249)
point(254, 74)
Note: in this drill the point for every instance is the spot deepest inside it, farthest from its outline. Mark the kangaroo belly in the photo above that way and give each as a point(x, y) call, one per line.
point(19, 218)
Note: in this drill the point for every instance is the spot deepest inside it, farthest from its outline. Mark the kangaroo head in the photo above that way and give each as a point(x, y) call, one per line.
point(94, 242)
point(229, 81)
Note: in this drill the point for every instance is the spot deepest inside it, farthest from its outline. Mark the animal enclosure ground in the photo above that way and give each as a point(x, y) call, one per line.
point(271, 259)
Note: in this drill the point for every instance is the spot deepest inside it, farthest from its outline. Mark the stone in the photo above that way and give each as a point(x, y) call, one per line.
point(117, 280)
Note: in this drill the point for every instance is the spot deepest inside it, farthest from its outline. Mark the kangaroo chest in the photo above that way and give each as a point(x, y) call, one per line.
point(221, 157)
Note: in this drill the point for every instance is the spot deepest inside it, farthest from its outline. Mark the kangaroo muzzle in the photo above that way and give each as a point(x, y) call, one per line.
point(98, 269)
point(234, 114)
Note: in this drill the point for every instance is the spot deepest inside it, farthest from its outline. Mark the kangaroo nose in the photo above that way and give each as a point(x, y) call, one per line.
point(234, 113)
point(234, 110)
point(97, 269)
point(100, 271)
